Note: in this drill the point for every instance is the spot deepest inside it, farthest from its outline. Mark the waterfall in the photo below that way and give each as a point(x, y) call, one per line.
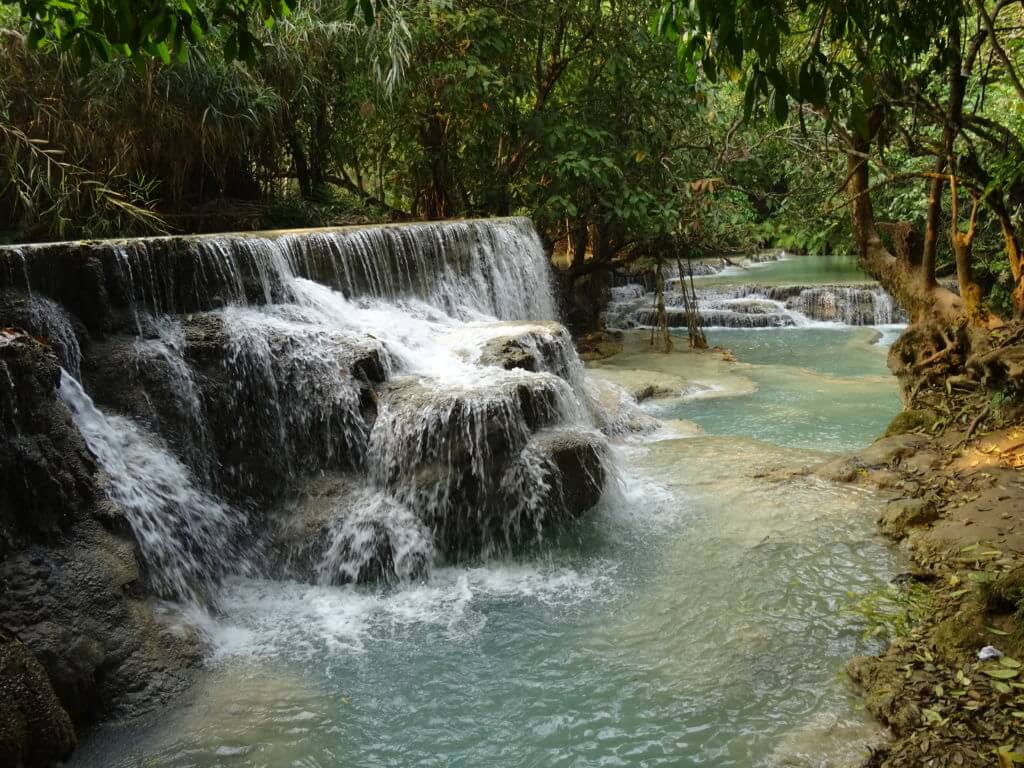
point(187, 538)
point(417, 371)
point(496, 269)
point(756, 306)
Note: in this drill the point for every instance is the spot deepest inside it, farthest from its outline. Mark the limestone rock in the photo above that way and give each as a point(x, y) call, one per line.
point(34, 728)
point(902, 514)
point(46, 466)
point(338, 531)
point(578, 471)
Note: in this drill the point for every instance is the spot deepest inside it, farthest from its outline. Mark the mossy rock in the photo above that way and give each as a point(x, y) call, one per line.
point(599, 345)
point(912, 420)
point(34, 728)
point(901, 515)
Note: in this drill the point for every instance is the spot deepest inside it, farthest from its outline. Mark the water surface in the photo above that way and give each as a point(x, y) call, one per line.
point(699, 617)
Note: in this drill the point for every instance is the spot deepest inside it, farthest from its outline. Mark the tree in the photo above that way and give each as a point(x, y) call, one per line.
point(880, 74)
point(163, 29)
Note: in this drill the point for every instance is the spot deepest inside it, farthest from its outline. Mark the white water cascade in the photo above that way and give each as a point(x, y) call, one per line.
point(355, 403)
point(187, 537)
point(757, 306)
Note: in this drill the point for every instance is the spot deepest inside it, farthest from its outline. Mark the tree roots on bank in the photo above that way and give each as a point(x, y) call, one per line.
point(968, 375)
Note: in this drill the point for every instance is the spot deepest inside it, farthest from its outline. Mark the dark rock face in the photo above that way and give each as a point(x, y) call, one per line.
point(578, 458)
point(67, 564)
point(34, 728)
point(46, 466)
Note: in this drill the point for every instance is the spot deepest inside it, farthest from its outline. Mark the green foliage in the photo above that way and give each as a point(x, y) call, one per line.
point(159, 29)
point(892, 611)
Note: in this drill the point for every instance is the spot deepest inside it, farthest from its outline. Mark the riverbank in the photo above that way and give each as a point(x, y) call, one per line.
point(957, 509)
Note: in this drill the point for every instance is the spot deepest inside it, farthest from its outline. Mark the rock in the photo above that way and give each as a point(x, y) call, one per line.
point(577, 469)
point(531, 346)
point(305, 401)
point(46, 466)
point(67, 562)
point(453, 455)
point(338, 531)
point(599, 345)
point(902, 514)
point(910, 421)
point(616, 411)
point(102, 648)
point(883, 454)
point(34, 728)
point(884, 686)
point(890, 450)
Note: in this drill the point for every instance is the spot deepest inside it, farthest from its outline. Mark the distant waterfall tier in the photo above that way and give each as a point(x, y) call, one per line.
point(757, 306)
point(340, 405)
point(494, 268)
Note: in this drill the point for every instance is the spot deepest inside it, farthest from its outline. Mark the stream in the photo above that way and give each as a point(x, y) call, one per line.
point(700, 616)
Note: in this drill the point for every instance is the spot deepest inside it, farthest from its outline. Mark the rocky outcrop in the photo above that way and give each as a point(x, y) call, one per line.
point(46, 466)
point(532, 347)
point(68, 564)
point(577, 472)
point(336, 530)
point(34, 728)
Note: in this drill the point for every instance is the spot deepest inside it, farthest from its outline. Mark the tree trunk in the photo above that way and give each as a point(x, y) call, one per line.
point(300, 161)
point(660, 336)
point(954, 110)
point(904, 280)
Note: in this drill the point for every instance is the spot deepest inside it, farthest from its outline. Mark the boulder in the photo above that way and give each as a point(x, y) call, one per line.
point(34, 728)
point(533, 346)
point(47, 467)
point(577, 471)
point(616, 411)
point(338, 531)
point(903, 514)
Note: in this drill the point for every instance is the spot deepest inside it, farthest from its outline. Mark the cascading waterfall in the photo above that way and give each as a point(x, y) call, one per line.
point(421, 362)
point(187, 537)
point(757, 306)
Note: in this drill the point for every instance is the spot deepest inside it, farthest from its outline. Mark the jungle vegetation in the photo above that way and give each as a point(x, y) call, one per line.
point(628, 130)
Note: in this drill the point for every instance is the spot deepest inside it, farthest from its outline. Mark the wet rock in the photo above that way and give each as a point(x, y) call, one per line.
point(284, 401)
point(577, 466)
point(46, 466)
point(67, 564)
point(338, 531)
point(902, 514)
point(616, 411)
point(34, 728)
point(532, 347)
point(73, 606)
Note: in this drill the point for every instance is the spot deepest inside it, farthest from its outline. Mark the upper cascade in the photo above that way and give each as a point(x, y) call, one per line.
point(759, 306)
point(467, 269)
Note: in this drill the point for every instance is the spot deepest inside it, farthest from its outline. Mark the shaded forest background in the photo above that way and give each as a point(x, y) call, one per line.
point(628, 131)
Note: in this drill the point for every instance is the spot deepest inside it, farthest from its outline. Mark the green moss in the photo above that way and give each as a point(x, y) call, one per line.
point(910, 421)
point(962, 632)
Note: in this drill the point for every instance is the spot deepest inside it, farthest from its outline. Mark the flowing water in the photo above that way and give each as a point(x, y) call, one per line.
point(700, 615)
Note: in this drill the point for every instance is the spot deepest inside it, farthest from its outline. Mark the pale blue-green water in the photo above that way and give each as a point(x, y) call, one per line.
point(700, 617)
point(794, 270)
point(824, 388)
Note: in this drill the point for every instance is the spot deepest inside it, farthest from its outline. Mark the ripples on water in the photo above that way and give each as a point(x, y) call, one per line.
point(698, 618)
